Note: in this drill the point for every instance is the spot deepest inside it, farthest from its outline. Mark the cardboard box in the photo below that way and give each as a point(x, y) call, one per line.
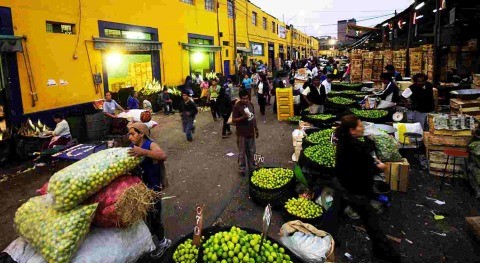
point(397, 175)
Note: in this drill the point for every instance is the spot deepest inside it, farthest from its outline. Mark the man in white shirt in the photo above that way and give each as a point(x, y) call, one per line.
point(327, 83)
point(109, 105)
point(315, 71)
point(315, 96)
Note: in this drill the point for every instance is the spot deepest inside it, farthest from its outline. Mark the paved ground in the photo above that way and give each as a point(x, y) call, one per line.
point(200, 172)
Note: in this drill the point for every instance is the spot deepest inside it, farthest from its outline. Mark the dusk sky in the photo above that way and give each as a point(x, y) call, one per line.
point(319, 18)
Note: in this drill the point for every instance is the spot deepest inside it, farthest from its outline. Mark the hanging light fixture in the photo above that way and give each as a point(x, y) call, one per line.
point(420, 5)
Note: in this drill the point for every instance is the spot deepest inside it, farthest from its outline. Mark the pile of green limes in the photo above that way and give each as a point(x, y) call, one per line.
point(323, 154)
point(371, 114)
point(271, 178)
point(303, 208)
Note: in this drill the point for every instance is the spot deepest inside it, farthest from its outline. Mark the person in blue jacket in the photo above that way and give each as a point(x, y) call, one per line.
point(132, 102)
point(152, 170)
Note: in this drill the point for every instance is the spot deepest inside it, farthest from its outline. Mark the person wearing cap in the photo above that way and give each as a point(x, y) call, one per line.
point(315, 95)
point(153, 175)
point(188, 111)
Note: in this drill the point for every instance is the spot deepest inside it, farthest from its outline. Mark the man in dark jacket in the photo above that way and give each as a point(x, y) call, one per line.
point(224, 107)
point(188, 111)
point(247, 130)
point(396, 75)
point(315, 95)
point(391, 92)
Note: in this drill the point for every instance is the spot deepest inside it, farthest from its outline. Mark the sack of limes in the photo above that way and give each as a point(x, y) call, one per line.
point(74, 184)
point(56, 235)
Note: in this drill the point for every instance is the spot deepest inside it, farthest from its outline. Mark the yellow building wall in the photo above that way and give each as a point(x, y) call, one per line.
point(64, 57)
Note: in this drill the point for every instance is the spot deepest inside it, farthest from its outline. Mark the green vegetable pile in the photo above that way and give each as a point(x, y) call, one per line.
point(271, 178)
point(323, 154)
point(303, 208)
point(75, 183)
point(237, 245)
point(55, 234)
point(321, 117)
point(353, 92)
point(341, 101)
point(186, 252)
point(295, 118)
point(320, 137)
point(371, 114)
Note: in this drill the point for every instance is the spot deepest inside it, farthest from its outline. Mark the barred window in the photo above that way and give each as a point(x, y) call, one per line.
point(230, 8)
point(254, 18)
point(187, 1)
point(264, 23)
point(210, 5)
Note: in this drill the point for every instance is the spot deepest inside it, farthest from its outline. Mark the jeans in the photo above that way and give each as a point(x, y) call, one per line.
point(261, 102)
point(187, 126)
point(213, 109)
point(226, 127)
point(167, 107)
point(154, 221)
point(246, 154)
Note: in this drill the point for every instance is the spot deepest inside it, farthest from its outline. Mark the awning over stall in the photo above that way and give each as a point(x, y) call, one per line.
point(102, 43)
point(197, 47)
point(244, 49)
point(10, 43)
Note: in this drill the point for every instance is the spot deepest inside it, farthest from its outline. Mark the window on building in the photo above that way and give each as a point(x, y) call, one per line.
point(273, 27)
point(226, 43)
point(188, 1)
point(264, 23)
point(61, 28)
point(116, 33)
point(254, 18)
point(226, 53)
point(210, 5)
point(230, 8)
point(200, 41)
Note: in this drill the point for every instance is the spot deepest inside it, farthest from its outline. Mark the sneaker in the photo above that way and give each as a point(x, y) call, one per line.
point(161, 248)
point(224, 136)
point(189, 139)
point(350, 213)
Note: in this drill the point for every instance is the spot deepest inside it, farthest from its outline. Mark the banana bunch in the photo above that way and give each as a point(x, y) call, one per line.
point(29, 129)
point(152, 87)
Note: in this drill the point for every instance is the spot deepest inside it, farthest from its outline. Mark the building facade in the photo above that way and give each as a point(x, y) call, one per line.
point(61, 54)
point(342, 30)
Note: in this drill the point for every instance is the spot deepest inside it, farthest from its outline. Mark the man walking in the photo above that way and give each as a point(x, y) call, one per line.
point(189, 110)
point(315, 95)
point(244, 119)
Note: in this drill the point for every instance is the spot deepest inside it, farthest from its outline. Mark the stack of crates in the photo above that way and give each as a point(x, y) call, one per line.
point(284, 97)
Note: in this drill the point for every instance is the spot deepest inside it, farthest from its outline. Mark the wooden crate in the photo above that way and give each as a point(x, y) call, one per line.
point(440, 140)
point(397, 175)
point(473, 223)
point(284, 97)
point(432, 130)
point(467, 107)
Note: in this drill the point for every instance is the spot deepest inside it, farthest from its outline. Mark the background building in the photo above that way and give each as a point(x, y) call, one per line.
point(342, 30)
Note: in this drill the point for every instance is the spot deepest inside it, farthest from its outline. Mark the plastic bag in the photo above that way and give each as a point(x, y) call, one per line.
point(75, 183)
point(306, 242)
point(55, 234)
point(102, 245)
point(407, 127)
point(387, 148)
point(116, 209)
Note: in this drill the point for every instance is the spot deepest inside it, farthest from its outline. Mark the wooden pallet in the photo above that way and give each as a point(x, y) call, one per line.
point(467, 107)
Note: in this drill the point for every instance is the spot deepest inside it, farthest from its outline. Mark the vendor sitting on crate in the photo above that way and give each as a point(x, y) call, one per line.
point(389, 93)
point(422, 99)
point(110, 105)
point(61, 134)
point(315, 95)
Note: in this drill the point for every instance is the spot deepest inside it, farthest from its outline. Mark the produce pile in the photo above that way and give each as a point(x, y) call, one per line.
point(370, 114)
point(75, 183)
point(322, 154)
point(186, 252)
point(320, 137)
point(349, 92)
point(237, 245)
point(295, 118)
point(271, 178)
point(303, 208)
point(321, 117)
point(54, 234)
point(56, 224)
point(341, 101)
